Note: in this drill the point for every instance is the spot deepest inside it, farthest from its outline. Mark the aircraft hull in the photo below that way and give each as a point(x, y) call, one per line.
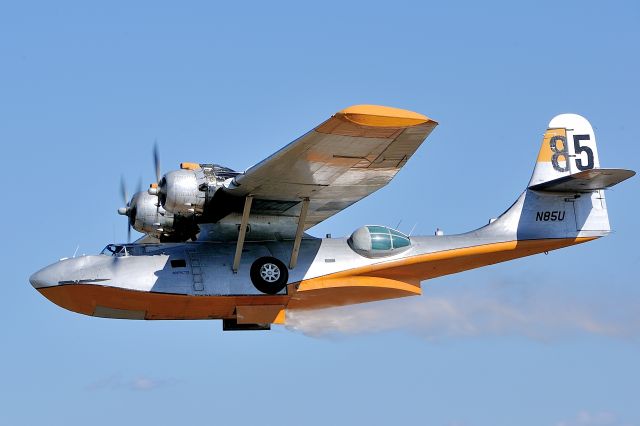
point(146, 286)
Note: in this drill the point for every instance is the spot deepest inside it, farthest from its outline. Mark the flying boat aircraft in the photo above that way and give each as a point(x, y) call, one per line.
point(229, 245)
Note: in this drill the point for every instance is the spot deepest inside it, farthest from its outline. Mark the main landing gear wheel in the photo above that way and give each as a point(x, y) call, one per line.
point(269, 275)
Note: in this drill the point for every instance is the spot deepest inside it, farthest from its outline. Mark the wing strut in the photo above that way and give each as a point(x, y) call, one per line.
point(243, 232)
point(299, 232)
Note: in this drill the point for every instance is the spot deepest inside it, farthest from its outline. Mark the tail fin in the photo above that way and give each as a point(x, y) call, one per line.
point(565, 197)
point(568, 160)
point(568, 146)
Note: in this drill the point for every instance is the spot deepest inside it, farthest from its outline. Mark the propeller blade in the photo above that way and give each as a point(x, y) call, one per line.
point(123, 191)
point(129, 233)
point(156, 161)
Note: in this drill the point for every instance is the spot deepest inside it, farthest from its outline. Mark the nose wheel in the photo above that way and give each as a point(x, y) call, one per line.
point(269, 275)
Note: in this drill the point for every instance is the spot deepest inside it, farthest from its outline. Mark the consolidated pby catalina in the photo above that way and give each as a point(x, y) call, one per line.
point(222, 244)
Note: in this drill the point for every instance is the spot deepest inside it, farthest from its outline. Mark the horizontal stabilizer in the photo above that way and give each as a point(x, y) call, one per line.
point(585, 181)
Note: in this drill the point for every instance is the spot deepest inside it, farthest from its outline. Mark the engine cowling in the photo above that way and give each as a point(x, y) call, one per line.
point(188, 192)
point(180, 192)
point(150, 218)
point(147, 217)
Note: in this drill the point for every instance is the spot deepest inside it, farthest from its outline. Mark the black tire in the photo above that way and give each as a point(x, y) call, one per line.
point(269, 275)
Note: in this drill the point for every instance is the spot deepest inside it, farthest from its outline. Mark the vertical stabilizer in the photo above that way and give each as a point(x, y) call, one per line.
point(568, 147)
point(565, 197)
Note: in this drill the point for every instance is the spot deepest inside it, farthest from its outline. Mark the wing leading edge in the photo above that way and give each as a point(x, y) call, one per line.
point(351, 155)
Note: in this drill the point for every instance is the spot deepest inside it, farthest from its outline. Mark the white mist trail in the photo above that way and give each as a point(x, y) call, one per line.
point(536, 311)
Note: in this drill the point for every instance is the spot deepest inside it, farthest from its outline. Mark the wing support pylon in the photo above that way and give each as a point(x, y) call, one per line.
point(242, 232)
point(299, 232)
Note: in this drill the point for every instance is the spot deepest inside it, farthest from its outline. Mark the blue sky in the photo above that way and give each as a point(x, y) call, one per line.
point(86, 89)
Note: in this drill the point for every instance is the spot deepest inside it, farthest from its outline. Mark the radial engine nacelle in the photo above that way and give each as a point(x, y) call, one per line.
point(148, 217)
point(187, 192)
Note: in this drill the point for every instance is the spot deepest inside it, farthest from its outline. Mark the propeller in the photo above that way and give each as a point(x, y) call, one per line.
point(154, 189)
point(129, 210)
point(156, 161)
point(130, 206)
point(123, 191)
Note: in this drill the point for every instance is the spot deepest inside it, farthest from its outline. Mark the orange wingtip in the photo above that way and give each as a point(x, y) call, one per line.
point(382, 116)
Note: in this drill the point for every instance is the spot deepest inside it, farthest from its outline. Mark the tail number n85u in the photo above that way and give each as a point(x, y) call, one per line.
point(550, 216)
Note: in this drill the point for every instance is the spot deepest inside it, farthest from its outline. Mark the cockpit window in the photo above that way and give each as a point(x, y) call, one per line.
point(378, 241)
point(375, 229)
point(383, 238)
point(115, 250)
point(399, 241)
point(398, 233)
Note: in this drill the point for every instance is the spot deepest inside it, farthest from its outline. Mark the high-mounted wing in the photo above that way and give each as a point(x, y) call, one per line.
point(351, 155)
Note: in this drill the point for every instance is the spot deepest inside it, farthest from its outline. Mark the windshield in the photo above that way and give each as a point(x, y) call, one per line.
point(114, 250)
